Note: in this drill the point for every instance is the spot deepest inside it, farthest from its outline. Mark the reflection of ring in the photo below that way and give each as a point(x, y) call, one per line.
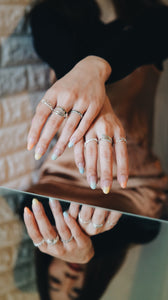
point(60, 111)
point(77, 112)
point(106, 138)
point(40, 243)
point(67, 241)
point(111, 223)
point(121, 140)
point(52, 241)
point(90, 140)
point(49, 105)
point(97, 225)
point(83, 221)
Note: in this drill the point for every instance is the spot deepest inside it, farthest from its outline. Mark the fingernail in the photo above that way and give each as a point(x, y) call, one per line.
point(106, 189)
point(38, 153)
point(81, 168)
point(30, 146)
point(27, 211)
point(123, 181)
point(30, 143)
point(65, 214)
point(70, 144)
point(93, 183)
point(35, 202)
point(55, 154)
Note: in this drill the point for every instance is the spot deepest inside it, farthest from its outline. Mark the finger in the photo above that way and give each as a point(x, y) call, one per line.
point(45, 227)
point(112, 219)
point(61, 225)
point(79, 156)
point(106, 164)
point(74, 210)
point(86, 213)
point(99, 216)
point(91, 156)
point(69, 128)
point(83, 126)
point(121, 159)
point(32, 227)
point(50, 129)
point(42, 113)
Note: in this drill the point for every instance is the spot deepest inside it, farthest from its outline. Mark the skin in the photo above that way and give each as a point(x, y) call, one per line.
point(64, 282)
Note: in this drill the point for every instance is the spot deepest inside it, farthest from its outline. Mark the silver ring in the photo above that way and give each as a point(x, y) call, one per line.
point(67, 241)
point(83, 221)
point(90, 140)
point(40, 243)
point(111, 223)
point(49, 105)
point(77, 112)
point(52, 241)
point(120, 140)
point(58, 110)
point(106, 138)
point(97, 225)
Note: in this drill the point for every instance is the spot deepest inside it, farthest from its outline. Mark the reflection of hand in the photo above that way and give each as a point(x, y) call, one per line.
point(73, 245)
point(109, 125)
point(83, 90)
point(94, 220)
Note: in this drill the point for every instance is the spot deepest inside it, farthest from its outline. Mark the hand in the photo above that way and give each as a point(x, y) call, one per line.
point(83, 90)
point(94, 220)
point(73, 245)
point(107, 124)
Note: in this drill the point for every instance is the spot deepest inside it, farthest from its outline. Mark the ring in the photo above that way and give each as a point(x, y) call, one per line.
point(82, 221)
point(97, 225)
point(90, 140)
point(106, 138)
point(58, 110)
point(121, 140)
point(67, 241)
point(52, 241)
point(111, 223)
point(40, 243)
point(77, 112)
point(48, 104)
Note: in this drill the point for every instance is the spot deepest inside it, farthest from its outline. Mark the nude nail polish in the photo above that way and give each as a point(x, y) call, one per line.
point(93, 183)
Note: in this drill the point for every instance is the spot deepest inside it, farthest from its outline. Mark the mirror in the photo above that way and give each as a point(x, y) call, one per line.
point(132, 255)
point(23, 81)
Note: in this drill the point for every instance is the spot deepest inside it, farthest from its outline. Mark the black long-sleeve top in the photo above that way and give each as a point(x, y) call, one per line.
point(62, 42)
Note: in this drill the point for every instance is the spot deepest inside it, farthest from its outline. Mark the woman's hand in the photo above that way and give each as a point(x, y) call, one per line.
point(94, 220)
point(81, 90)
point(105, 128)
point(73, 244)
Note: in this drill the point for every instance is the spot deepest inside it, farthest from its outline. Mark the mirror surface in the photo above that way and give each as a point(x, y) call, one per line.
point(129, 252)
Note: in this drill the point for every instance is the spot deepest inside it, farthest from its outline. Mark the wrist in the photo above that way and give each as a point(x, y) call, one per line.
point(102, 67)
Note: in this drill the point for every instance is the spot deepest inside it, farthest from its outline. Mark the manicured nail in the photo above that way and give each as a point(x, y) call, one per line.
point(106, 189)
point(65, 214)
point(81, 168)
point(30, 143)
point(70, 144)
point(38, 153)
point(27, 211)
point(93, 183)
point(35, 202)
point(55, 154)
point(123, 181)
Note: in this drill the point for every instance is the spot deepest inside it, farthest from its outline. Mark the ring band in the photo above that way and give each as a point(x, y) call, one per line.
point(40, 243)
point(106, 138)
point(52, 241)
point(97, 225)
point(83, 221)
point(58, 110)
point(67, 241)
point(121, 140)
point(90, 140)
point(77, 112)
point(49, 105)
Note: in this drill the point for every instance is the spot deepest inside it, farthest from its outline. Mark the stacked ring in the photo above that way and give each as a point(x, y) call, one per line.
point(67, 241)
point(52, 241)
point(40, 243)
point(83, 221)
point(106, 138)
point(77, 112)
point(90, 140)
point(97, 225)
point(49, 105)
point(121, 140)
point(58, 110)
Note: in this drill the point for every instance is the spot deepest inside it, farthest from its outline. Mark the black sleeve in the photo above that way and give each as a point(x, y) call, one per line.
point(144, 42)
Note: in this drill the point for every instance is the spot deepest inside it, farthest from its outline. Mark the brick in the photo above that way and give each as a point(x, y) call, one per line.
point(38, 77)
point(13, 138)
point(12, 80)
point(15, 109)
point(17, 50)
point(11, 19)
